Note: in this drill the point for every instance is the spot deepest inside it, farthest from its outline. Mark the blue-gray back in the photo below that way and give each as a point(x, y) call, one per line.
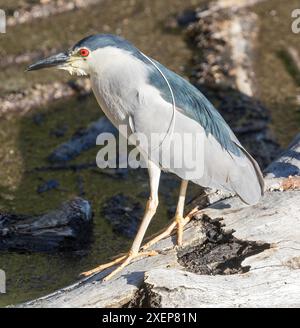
point(195, 105)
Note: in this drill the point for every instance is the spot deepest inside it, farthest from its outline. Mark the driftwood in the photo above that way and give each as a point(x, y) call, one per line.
point(260, 266)
point(67, 228)
point(288, 164)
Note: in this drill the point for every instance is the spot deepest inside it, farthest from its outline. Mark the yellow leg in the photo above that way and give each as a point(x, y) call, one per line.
point(179, 221)
point(154, 174)
point(125, 259)
point(131, 256)
point(103, 266)
point(166, 233)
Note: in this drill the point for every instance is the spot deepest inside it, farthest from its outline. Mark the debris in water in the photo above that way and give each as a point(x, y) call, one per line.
point(47, 186)
point(124, 214)
point(67, 228)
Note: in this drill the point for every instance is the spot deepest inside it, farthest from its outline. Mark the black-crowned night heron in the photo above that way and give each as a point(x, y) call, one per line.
point(140, 93)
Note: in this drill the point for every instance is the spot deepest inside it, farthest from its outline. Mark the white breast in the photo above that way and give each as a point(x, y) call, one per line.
point(117, 80)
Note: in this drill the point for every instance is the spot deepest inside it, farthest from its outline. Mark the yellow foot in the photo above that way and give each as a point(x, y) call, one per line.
point(179, 223)
point(124, 260)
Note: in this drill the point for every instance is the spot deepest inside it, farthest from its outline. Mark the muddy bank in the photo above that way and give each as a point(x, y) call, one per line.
point(41, 95)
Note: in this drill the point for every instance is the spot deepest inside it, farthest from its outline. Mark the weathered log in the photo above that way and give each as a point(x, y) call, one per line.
point(288, 163)
point(260, 266)
point(272, 277)
point(67, 228)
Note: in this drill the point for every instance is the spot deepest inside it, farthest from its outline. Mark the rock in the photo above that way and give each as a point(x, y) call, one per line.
point(67, 228)
point(182, 20)
point(124, 214)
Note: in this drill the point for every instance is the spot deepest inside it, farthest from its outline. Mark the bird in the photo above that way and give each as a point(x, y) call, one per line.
point(138, 92)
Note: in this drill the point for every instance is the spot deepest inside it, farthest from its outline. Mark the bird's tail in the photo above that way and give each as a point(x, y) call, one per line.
point(250, 184)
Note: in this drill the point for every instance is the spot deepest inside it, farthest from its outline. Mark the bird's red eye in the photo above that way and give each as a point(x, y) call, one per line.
point(84, 52)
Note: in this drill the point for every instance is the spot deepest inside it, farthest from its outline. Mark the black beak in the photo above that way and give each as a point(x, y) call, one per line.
point(51, 61)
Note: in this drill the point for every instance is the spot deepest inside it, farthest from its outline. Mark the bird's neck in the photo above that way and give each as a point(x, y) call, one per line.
point(116, 80)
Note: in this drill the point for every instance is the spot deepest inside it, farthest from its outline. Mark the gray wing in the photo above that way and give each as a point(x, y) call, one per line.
point(227, 164)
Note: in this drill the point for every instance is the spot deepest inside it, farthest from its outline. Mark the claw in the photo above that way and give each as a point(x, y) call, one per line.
point(126, 259)
point(170, 229)
point(180, 222)
point(102, 267)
